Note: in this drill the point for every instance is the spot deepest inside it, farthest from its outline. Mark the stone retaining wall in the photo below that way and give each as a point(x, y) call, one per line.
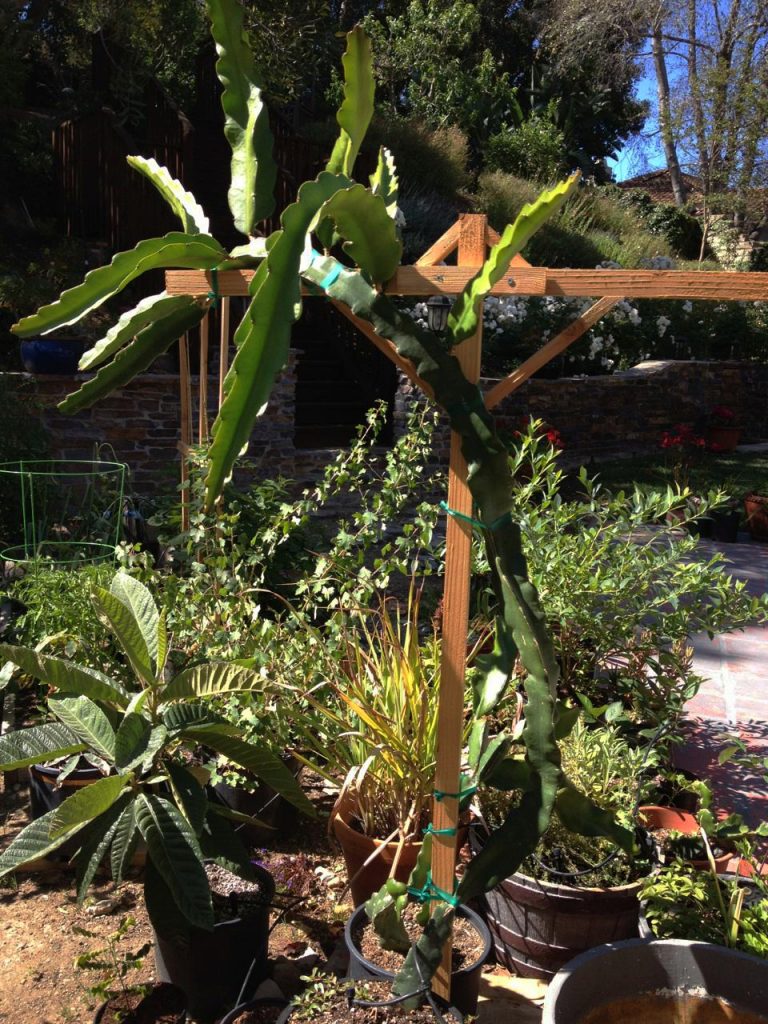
point(595, 415)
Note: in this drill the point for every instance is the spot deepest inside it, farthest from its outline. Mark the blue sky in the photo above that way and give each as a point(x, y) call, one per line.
point(644, 154)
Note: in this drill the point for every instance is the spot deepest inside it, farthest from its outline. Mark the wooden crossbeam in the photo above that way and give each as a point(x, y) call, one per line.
point(386, 346)
point(522, 279)
point(442, 248)
point(554, 347)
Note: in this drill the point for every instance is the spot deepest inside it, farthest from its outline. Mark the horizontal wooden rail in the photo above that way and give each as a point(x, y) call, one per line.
point(634, 284)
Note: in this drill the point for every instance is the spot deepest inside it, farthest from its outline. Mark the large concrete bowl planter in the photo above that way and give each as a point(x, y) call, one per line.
point(622, 981)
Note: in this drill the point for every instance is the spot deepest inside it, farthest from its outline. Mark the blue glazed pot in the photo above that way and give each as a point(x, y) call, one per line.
point(51, 355)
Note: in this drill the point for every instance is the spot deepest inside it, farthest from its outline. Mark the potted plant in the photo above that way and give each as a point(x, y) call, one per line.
point(329, 1000)
point(379, 707)
point(723, 434)
point(575, 890)
point(144, 742)
point(756, 511)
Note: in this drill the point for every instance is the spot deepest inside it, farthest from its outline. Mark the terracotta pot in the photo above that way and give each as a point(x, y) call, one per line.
point(756, 509)
point(725, 438)
point(672, 818)
point(357, 848)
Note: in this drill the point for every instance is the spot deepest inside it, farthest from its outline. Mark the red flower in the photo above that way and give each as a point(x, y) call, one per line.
point(722, 412)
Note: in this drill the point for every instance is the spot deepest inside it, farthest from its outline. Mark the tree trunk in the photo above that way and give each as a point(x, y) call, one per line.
point(665, 115)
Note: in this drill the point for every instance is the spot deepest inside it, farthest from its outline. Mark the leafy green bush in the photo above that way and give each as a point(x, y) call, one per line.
point(623, 589)
point(534, 149)
point(679, 227)
point(434, 159)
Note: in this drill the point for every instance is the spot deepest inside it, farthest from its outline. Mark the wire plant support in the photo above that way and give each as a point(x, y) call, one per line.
point(70, 510)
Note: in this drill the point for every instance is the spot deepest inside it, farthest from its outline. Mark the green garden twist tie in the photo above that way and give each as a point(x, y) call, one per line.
point(430, 891)
point(214, 295)
point(440, 794)
point(430, 830)
point(474, 522)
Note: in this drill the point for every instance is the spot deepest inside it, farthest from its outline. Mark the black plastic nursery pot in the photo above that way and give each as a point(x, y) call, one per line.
point(280, 1006)
point(465, 982)
point(163, 1003)
point(263, 803)
point(538, 927)
point(212, 967)
point(622, 981)
point(46, 794)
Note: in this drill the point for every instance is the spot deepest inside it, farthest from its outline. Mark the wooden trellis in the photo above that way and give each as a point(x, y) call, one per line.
point(469, 238)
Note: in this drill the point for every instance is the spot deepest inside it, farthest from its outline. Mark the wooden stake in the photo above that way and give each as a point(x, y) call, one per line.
point(185, 395)
point(223, 345)
point(458, 550)
point(202, 407)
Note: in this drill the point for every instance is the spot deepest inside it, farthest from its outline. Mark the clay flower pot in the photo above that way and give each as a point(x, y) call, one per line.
point(756, 509)
point(673, 819)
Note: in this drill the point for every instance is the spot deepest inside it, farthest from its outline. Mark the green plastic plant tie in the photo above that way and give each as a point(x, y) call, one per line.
point(430, 830)
point(441, 794)
point(430, 891)
point(214, 295)
point(474, 522)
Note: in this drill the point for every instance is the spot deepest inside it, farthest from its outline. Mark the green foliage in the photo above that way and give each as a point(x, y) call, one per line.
point(601, 765)
point(682, 903)
point(681, 229)
point(355, 113)
point(112, 961)
point(533, 149)
point(428, 159)
point(139, 740)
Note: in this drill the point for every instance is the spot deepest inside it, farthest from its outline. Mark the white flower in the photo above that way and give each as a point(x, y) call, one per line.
point(662, 323)
point(687, 306)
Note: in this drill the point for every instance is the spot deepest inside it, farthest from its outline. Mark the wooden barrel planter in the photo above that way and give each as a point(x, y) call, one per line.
point(537, 927)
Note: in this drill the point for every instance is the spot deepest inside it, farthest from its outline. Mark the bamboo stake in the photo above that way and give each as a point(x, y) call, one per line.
point(185, 396)
point(202, 407)
point(458, 550)
point(223, 345)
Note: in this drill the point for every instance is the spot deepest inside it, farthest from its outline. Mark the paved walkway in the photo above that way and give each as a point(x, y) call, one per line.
point(734, 697)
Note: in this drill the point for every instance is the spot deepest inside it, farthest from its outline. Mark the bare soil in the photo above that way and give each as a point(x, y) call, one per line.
point(39, 982)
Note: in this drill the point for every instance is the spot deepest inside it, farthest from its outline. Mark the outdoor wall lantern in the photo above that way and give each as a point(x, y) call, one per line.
point(438, 307)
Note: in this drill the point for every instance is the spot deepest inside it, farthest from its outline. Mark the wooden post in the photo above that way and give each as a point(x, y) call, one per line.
point(186, 426)
point(202, 408)
point(458, 548)
point(223, 344)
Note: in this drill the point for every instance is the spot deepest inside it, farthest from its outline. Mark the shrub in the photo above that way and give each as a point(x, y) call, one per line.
point(434, 159)
point(535, 149)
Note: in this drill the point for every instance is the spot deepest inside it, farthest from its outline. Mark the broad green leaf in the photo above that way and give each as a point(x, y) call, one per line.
point(257, 759)
point(356, 110)
point(246, 122)
point(220, 842)
point(178, 717)
point(423, 960)
point(509, 773)
point(96, 839)
point(369, 233)
point(87, 721)
point(579, 814)
point(263, 337)
point(167, 920)
point(139, 600)
point(209, 680)
point(467, 309)
point(162, 644)
point(495, 671)
point(175, 853)
point(32, 842)
point(65, 676)
point(124, 842)
point(87, 803)
point(189, 796)
point(242, 819)
point(148, 311)
point(158, 739)
point(131, 740)
point(187, 252)
point(122, 621)
point(384, 181)
point(38, 744)
point(183, 203)
point(137, 356)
